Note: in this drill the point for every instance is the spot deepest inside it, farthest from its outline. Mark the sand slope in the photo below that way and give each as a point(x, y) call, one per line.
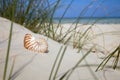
point(34, 66)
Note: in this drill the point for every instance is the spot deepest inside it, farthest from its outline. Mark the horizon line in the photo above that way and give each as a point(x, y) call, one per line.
point(84, 17)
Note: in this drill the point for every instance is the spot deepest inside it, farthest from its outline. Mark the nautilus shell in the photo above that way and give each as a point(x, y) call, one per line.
point(37, 45)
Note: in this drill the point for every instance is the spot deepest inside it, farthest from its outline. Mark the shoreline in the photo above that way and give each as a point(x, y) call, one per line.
point(112, 20)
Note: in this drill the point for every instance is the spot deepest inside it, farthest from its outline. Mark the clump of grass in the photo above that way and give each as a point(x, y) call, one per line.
point(115, 54)
point(38, 16)
point(33, 14)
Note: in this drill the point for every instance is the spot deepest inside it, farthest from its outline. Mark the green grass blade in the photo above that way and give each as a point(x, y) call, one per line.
point(77, 64)
point(116, 57)
point(104, 62)
point(55, 63)
point(9, 45)
point(67, 74)
point(8, 51)
point(12, 67)
point(91, 71)
point(59, 63)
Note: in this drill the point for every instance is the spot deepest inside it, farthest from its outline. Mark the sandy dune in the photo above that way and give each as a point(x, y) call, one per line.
point(34, 66)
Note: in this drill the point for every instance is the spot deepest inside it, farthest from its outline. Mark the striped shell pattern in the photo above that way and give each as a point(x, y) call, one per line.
point(37, 45)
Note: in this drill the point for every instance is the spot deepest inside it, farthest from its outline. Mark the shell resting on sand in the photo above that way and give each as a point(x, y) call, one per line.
point(36, 45)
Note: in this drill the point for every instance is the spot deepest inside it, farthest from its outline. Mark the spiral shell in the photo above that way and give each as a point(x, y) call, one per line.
point(36, 45)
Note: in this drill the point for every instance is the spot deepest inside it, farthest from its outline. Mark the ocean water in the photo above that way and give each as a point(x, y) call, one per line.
point(89, 20)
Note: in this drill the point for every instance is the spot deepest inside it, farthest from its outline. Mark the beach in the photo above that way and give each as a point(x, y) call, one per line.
point(102, 32)
point(31, 65)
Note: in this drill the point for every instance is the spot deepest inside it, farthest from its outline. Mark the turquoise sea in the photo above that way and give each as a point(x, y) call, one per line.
point(112, 20)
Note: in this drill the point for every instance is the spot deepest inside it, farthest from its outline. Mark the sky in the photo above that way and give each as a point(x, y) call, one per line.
point(89, 8)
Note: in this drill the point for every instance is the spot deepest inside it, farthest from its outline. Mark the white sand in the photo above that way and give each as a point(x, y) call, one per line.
point(29, 66)
point(106, 37)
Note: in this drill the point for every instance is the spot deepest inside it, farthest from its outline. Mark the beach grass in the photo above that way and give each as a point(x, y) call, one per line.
point(57, 63)
point(68, 73)
point(115, 55)
point(8, 52)
point(43, 24)
point(39, 18)
point(9, 43)
point(12, 67)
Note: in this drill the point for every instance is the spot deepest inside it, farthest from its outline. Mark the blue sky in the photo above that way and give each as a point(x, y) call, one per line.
point(95, 8)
